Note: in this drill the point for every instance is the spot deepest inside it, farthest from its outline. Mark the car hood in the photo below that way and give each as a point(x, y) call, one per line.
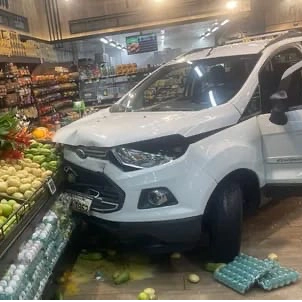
point(106, 129)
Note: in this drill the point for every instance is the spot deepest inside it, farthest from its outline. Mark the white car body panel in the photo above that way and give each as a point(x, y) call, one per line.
point(103, 129)
point(255, 144)
point(282, 149)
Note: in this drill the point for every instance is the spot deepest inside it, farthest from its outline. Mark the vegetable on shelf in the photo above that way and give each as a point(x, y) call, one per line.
point(13, 138)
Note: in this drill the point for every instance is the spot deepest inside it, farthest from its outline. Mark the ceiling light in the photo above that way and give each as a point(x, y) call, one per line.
point(189, 62)
point(119, 46)
point(215, 29)
point(207, 34)
point(104, 40)
point(198, 71)
point(212, 98)
point(162, 32)
point(112, 43)
point(231, 4)
point(202, 37)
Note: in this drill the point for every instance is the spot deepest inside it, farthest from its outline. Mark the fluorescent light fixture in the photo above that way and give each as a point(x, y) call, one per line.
point(207, 34)
point(225, 22)
point(189, 62)
point(198, 71)
point(212, 98)
point(231, 4)
point(112, 43)
point(202, 37)
point(215, 29)
point(119, 46)
point(104, 40)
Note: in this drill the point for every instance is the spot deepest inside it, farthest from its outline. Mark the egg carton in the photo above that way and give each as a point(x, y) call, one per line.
point(243, 272)
point(278, 277)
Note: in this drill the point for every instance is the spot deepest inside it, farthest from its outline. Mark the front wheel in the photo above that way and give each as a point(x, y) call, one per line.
point(224, 222)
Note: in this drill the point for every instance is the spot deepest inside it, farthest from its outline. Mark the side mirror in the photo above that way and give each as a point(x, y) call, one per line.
point(279, 108)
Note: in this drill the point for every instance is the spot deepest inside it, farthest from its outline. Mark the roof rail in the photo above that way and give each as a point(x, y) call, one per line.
point(288, 35)
point(191, 52)
point(269, 36)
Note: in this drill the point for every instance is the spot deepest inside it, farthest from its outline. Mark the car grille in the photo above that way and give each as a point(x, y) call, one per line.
point(94, 152)
point(107, 196)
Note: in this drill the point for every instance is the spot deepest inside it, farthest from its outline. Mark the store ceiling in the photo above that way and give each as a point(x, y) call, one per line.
point(174, 37)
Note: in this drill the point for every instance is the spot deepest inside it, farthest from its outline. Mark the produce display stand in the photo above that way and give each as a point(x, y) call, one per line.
point(27, 221)
point(67, 260)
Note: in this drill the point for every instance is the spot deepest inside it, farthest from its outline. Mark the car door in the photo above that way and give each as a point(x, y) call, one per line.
point(282, 144)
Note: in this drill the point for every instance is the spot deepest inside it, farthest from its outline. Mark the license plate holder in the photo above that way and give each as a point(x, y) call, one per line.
point(80, 202)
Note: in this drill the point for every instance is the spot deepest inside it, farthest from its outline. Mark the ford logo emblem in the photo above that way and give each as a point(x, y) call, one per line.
point(81, 153)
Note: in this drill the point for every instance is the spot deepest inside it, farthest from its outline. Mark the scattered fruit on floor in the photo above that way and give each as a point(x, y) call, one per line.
point(193, 278)
point(273, 257)
point(175, 256)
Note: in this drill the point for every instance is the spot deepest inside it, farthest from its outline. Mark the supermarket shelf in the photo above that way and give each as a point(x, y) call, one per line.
point(55, 91)
point(57, 99)
point(19, 60)
point(144, 73)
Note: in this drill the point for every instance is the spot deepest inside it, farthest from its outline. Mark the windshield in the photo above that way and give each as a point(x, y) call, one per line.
point(190, 86)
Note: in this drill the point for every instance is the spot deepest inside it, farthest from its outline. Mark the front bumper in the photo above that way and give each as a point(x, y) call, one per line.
point(182, 231)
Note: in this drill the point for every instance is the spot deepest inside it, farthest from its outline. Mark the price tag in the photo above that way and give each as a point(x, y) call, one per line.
point(51, 186)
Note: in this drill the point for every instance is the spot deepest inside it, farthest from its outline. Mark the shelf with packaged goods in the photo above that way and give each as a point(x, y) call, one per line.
point(55, 89)
point(58, 98)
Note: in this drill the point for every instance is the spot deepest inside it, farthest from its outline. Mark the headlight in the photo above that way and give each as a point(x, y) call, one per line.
point(148, 154)
point(139, 159)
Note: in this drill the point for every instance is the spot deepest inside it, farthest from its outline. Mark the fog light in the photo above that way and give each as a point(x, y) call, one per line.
point(155, 198)
point(158, 197)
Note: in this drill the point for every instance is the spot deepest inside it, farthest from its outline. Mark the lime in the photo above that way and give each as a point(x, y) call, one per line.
point(12, 202)
point(2, 220)
point(6, 209)
point(143, 296)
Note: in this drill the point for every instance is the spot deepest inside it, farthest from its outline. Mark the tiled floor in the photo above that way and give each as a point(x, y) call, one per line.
point(277, 228)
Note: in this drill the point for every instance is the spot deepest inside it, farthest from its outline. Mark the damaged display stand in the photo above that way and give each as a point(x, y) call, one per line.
point(29, 253)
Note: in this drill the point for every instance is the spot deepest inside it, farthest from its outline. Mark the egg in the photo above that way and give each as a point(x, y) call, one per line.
point(19, 272)
point(6, 278)
point(9, 290)
point(21, 266)
point(13, 284)
point(13, 267)
point(16, 278)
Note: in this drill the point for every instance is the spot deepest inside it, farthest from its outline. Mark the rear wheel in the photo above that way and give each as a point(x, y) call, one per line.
point(224, 222)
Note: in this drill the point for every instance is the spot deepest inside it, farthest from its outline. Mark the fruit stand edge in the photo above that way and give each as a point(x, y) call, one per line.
point(9, 247)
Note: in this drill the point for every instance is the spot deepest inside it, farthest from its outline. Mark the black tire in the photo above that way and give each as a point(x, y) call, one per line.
point(224, 222)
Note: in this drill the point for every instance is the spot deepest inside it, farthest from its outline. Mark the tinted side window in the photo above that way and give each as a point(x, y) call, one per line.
point(271, 74)
point(293, 86)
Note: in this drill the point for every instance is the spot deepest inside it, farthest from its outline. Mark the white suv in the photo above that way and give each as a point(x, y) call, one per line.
point(191, 147)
